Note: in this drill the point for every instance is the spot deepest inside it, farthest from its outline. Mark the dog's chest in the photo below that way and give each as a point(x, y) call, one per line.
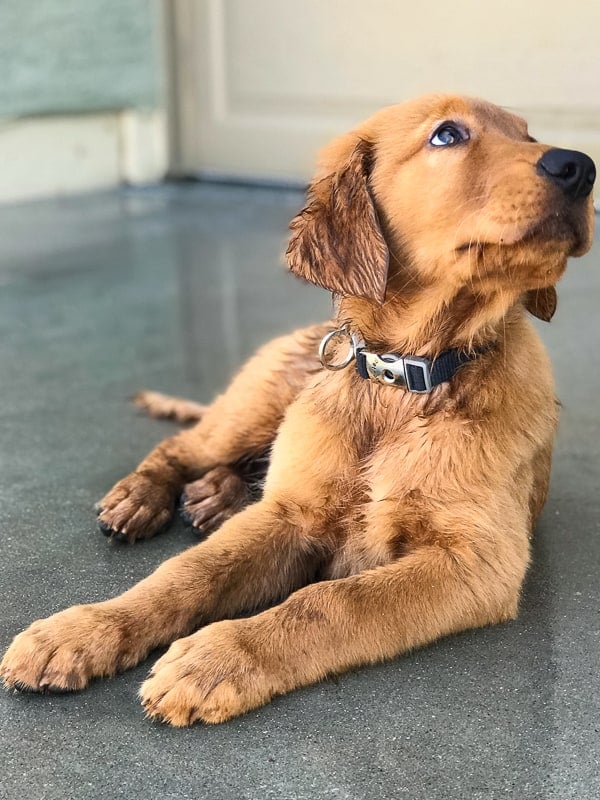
point(398, 446)
point(374, 418)
point(390, 491)
point(366, 407)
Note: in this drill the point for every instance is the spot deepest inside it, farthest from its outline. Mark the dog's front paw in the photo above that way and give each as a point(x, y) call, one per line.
point(65, 651)
point(136, 508)
point(214, 498)
point(209, 677)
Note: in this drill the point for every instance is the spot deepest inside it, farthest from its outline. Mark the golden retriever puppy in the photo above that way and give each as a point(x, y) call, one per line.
point(410, 459)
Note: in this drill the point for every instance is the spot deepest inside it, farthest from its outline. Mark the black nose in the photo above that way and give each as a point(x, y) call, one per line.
point(573, 171)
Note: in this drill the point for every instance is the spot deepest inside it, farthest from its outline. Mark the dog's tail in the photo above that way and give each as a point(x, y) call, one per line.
point(163, 406)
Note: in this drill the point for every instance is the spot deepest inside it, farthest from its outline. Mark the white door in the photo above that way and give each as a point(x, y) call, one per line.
point(260, 85)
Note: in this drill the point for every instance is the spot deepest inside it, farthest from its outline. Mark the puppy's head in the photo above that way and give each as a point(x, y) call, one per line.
point(449, 191)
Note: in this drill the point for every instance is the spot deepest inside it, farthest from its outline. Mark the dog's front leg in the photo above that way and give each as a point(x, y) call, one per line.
point(329, 627)
point(257, 557)
point(243, 421)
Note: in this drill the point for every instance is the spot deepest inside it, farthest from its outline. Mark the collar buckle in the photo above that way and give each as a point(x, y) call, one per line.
point(410, 372)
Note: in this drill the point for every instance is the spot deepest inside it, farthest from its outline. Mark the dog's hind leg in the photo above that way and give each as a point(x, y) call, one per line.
point(240, 423)
point(223, 491)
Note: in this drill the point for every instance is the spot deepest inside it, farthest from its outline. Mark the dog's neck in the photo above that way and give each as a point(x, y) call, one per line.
point(427, 322)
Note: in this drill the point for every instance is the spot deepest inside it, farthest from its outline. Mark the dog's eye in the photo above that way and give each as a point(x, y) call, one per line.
point(448, 135)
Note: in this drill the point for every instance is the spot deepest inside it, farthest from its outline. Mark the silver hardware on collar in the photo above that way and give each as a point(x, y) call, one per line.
point(416, 374)
point(392, 370)
point(354, 343)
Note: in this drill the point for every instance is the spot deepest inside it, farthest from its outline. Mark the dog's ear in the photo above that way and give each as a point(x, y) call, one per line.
point(336, 239)
point(541, 302)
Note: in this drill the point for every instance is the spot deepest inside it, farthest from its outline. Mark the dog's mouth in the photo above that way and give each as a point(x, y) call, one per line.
point(556, 227)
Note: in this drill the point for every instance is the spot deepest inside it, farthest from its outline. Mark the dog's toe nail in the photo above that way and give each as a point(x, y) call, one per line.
point(105, 528)
point(112, 534)
point(188, 519)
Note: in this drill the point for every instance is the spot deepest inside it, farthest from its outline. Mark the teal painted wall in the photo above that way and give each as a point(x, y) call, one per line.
point(73, 56)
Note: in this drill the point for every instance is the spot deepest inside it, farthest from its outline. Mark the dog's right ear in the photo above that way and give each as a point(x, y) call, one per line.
point(336, 239)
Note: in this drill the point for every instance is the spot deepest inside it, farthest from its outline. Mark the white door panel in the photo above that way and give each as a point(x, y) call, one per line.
point(262, 84)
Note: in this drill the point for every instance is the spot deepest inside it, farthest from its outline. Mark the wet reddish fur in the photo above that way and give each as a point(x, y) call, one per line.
point(414, 511)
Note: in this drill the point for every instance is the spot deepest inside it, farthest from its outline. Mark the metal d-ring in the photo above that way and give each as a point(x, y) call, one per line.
point(354, 344)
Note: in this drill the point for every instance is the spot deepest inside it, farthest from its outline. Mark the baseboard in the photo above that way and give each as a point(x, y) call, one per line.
point(53, 156)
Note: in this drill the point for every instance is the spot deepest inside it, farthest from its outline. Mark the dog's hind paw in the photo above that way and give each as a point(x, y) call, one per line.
point(136, 508)
point(214, 498)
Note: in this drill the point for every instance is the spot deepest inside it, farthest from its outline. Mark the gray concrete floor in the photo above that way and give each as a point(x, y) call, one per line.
point(171, 289)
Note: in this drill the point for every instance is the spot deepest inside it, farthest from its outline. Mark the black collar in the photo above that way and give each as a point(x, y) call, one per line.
point(414, 373)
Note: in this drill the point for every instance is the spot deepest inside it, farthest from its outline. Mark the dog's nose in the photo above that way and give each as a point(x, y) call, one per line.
point(573, 171)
